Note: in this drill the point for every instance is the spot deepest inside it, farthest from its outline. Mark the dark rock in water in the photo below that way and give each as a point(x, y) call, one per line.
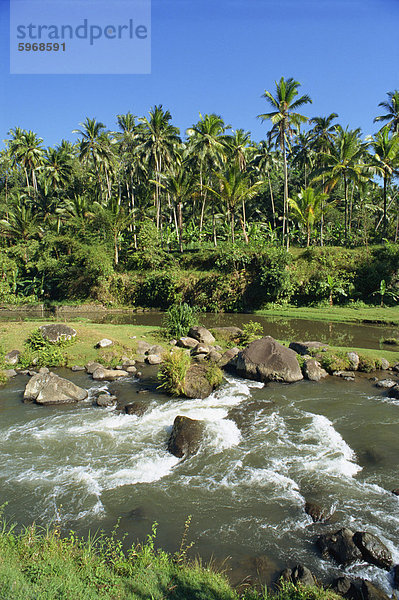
point(244, 414)
point(102, 374)
point(340, 546)
point(267, 360)
point(201, 334)
point(347, 375)
point(106, 400)
point(57, 332)
point(357, 589)
point(196, 385)
point(48, 388)
point(11, 358)
point(313, 371)
point(345, 587)
point(136, 408)
point(305, 347)
point(315, 511)
point(373, 550)
point(299, 575)
point(76, 368)
point(393, 392)
point(186, 436)
point(396, 491)
point(396, 576)
point(370, 592)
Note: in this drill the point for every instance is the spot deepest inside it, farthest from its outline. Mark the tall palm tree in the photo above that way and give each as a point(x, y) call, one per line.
point(95, 147)
point(322, 135)
point(158, 145)
point(285, 121)
point(27, 152)
point(392, 116)
point(343, 163)
point(238, 147)
point(303, 154)
point(207, 142)
point(386, 162)
point(266, 161)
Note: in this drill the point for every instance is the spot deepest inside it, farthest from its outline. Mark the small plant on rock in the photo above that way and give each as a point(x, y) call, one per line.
point(173, 371)
point(251, 331)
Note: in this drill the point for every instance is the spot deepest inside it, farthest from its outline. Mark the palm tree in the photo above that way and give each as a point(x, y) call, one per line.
point(234, 190)
point(238, 147)
point(308, 206)
point(158, 145)
point(343, 162)
point(265, 161)
point(27, 151)
point(207, 143)
point(285, 120)
point(385, 161)
point(392, 116)
point(323, 135)
point(303, 154)
point(95, 147)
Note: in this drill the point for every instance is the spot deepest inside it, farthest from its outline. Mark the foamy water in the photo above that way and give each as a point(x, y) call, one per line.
point(246, 487)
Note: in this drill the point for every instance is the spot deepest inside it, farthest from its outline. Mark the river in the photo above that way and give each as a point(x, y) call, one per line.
point(267, 449)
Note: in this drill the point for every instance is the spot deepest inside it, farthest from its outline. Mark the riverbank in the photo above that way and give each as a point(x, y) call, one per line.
point(44, 565)
point(384, 315)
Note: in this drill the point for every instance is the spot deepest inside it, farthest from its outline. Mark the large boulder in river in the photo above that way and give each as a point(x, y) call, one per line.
point(340, 546)
point(48, 388)
point(186, 436)
point(229, 334)
point(373, 550)
point(196, 384)
point(267, 360)
point(201, 334)
point(57, 332)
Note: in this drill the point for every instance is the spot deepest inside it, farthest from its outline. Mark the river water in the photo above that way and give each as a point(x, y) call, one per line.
point(267, 449)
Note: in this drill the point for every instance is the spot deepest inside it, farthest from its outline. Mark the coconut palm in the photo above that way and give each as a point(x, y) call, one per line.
point(392, 116)
point(238, 147)
point(285, 121)
point(343, 163)
point(95, 148)
point(234, 190)
point(386, 162)
point(27, 151)
point(158, 145)
point(207, 144)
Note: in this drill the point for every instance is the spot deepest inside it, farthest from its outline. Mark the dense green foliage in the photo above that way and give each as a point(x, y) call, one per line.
point(145, 216)
point(173, 370)
point(179, 318)
point(43, 565)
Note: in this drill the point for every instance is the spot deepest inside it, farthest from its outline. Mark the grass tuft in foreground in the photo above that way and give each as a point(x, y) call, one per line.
point(40, 564)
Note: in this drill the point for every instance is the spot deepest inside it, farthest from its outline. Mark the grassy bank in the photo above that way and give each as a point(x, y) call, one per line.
point(43, 565)
point(387, 315)
point(81, 351)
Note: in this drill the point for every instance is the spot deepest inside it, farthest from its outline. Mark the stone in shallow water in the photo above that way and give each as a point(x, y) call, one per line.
point(186, 436)
point(102, 374)
point(340, 546)
point(267, 360)
point(48, 388)
point(373, 550)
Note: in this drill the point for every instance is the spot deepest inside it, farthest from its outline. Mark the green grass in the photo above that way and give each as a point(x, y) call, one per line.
point(81, 351)
point(38, 564)
point(388, 315)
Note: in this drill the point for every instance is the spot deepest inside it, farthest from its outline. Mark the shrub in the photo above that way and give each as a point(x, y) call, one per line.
point(179, 319)
point(42, 353)
point(333, 361)
point(251, 331)
point(367, 364)
point(173, 371)
point(159, 290)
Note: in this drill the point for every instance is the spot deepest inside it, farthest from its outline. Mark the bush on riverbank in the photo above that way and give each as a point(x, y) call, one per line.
point(41, 564)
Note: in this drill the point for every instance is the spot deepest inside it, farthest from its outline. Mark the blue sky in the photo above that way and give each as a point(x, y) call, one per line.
point(219, 56)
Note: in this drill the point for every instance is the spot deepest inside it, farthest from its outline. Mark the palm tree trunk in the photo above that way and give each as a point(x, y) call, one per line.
point(385, 204)
point(346, 209)
point(180, 224)
point(244, 222)
point(271, 197)
point(285, 223)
